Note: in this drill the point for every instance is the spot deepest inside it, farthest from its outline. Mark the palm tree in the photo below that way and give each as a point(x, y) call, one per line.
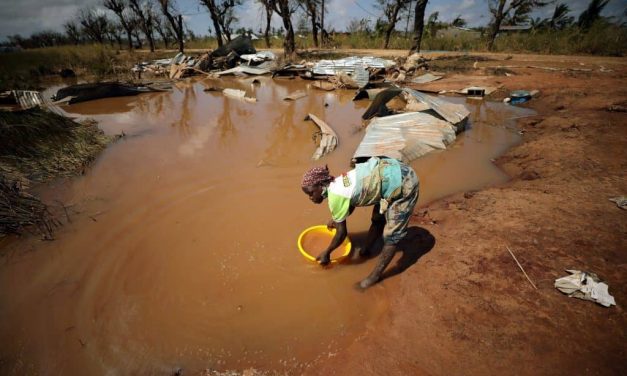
point(593, 13)
point(560, 17)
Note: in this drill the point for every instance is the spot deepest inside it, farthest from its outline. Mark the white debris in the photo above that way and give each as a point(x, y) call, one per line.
point(586, 286)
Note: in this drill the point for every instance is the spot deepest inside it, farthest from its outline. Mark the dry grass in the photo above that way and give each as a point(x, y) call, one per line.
point(36, 146)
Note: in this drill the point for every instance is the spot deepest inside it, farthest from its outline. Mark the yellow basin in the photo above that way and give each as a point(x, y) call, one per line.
point(323, 231)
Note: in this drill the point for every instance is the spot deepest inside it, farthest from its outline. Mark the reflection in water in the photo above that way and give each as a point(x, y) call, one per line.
point(192, 260)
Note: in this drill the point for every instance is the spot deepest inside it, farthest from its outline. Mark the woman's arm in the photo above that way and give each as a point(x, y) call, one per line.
point(340, 234)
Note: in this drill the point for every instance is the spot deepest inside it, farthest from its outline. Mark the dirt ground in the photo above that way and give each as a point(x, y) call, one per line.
point(464, 308)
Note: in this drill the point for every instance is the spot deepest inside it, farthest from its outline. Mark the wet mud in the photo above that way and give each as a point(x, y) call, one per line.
point(180, 250)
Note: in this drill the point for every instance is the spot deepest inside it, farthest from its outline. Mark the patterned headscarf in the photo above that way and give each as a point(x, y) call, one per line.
point(317, 176)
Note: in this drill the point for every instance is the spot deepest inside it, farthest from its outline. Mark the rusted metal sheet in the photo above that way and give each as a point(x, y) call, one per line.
point(405, 136)
point(328, 141)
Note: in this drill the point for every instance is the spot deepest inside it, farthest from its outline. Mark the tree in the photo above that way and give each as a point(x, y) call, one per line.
point(285, 9)
point(119, 7)
point(176, 23)
point(311, 9)
point(419, 25)
point(163, 30)
point(560, 17)
point(357, 25)
point(593, 13)
point(114, 33)
point(268, 6)
point(520, 8)
point(94, 24)
point(459, 21)
point(72, 31)
point(432, 24)
point(222, 16)
point(146, 17)
point(391, 10)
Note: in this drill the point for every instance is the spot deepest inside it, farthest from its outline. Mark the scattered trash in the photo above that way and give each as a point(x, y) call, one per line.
point(20, 99)
point(520, 96)
point(291, 71)
point(349, 64)
point(259, 57)
point(586, 286)
point(324, 85)
point(238, 94)
point(328, 140)
point(368, 93)
point(243, 70)
point(476, 91)
point(87, 92)
point(621, 201)
point(455, 114)
point(295, 95)
point(617, 108)
point(427, 77)
point(415, 61)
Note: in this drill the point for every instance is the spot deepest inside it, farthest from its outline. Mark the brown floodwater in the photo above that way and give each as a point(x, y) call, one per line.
point(180, 249)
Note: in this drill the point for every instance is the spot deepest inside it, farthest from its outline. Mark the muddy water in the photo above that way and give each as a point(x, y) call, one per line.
point(181, 246)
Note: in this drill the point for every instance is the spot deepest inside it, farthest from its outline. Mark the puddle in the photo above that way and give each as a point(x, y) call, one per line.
point(182, 249)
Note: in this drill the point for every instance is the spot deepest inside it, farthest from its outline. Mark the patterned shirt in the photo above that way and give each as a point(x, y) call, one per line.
point(365, 185)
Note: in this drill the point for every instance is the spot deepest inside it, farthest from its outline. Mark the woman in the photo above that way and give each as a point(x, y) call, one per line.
point(391, 186)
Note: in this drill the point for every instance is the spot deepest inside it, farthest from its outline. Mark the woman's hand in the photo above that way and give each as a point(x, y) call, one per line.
point(331, 224)
point(324, 258)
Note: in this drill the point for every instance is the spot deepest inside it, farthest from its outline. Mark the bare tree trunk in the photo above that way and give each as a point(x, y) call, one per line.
point(323, 34)
point(146, 21)
point(419, 25)
point(311, 9)
point(266, 34)
point(498, 18)
point(392, 22)
point(176, 23)
point(215, 19)
point(179, 33)
point(282, 7)
point(117, 7)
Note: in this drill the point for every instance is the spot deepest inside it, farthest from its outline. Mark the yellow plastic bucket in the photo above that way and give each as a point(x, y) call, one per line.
point(324, 231)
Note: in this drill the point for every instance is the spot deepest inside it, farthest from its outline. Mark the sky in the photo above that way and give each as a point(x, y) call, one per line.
point(28, 16)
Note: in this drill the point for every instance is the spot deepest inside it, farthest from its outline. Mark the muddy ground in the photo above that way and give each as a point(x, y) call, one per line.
point(464, 308)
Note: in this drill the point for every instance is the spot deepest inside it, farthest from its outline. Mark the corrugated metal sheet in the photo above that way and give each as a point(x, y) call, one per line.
point(244, 69)
point(347, 65)
point(361, 76)
point(328, 140)
point(427, 77)
point(451, 112)
point(405, 136)
point(27, 99)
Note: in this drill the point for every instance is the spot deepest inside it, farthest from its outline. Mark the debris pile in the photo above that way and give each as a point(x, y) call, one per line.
point(37, 145)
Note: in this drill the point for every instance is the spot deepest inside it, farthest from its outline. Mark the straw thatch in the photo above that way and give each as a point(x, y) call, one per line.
point(35, 146)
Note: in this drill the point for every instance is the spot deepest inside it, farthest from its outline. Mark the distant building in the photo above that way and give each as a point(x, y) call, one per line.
point(457, 32)
point(514, 28)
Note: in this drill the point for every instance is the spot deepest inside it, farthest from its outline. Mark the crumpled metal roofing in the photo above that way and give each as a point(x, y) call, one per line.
point(451, 112)
point(405, 136)
point(27, 98)
point(347, 65)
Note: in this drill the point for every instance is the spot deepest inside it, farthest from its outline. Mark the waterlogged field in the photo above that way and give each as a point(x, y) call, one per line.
point(181, 249)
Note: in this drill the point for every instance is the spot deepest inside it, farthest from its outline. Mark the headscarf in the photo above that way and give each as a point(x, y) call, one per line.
point(317, 176)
